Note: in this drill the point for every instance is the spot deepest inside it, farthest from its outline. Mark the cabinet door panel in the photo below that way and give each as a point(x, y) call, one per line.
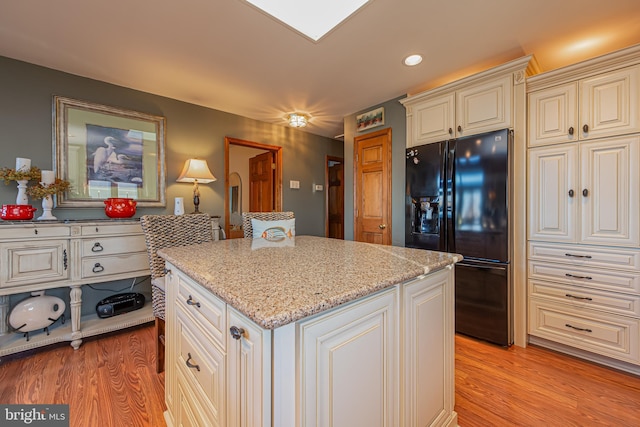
point(552, 210)
point(484, 107)
point(427, 351)
point(44, 261)
point(552, 114)
point(609, 103)
point(434, 120)
point(249, 373)
point(348, 365)
point(609, 174)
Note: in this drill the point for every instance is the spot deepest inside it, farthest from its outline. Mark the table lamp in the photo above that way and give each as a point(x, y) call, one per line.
point(196, 171)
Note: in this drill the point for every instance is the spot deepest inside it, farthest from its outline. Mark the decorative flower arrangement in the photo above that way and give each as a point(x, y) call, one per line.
point(8, 174)
point(41, 191)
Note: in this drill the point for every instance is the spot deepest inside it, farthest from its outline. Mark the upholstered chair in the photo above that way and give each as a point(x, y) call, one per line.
point(168, 231)
point(263, 216)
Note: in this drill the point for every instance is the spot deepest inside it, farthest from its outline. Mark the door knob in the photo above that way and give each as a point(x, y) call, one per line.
point(585, 128)
point(382, 226)
point(571, 130)
point(236, 332)
point(585, 192)
point(571, 193)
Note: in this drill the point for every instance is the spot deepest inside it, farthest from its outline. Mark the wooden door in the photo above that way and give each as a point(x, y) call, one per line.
point(335, 198)
point(372, 193)
point(261, 183)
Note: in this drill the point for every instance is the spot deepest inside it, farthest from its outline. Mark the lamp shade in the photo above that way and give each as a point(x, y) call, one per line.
point(196, 169)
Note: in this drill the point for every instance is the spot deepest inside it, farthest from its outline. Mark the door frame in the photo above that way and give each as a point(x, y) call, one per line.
point(326, 186)
point(277, 179)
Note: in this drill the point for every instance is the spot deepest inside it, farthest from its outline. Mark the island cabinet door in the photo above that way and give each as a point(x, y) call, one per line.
point(248, 373)
point(349, 365)
point(428, 351)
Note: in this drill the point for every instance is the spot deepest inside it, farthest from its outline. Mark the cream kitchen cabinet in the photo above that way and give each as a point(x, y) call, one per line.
point(37, 256)
point(601, 105)
point(480, 103)
point(586, 192)
point(583, 272)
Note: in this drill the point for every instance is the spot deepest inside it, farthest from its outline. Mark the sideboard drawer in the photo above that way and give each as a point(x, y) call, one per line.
point(33, 231)
point(111, 229)
point(43, 261)
point(113, 245)
point(606, 334)
point(111, 265)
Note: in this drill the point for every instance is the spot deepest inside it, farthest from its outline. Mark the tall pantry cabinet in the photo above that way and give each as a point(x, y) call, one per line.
point(583, 255)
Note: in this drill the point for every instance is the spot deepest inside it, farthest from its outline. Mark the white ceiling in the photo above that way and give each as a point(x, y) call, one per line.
point(227, 55)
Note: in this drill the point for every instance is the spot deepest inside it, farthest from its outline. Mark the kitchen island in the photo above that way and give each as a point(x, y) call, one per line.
point(322, 332)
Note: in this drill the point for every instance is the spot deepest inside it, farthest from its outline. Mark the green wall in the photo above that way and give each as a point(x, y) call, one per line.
point(26, 93)
point(396, 119)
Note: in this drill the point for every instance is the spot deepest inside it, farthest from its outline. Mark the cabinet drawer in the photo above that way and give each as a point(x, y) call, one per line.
point(205, 308)
point(33, 231)
point(24, 264)
point(113, 245)
point(190, 414)
point(606, 334)
point(618, 281)
point(103, 266)
point(202, 365)
point(111, 229)
point(576, 296)
point(591, 256)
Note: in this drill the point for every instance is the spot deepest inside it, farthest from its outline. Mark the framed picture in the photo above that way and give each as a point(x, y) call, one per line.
point(370, 119)
point(108, 152)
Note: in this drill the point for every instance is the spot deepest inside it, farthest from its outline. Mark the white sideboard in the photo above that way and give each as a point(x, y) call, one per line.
point(36, 256)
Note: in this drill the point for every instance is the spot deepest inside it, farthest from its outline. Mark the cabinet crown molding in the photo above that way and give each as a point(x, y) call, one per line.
point(608, 62)
point(528, 64)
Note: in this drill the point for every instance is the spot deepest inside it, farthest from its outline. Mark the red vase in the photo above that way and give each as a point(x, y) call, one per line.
point(120, 207)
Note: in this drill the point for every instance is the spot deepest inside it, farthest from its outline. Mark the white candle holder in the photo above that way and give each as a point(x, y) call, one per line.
point(47, 206)
point(22, 198)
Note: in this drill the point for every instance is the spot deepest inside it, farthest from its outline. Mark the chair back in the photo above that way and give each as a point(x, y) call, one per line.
point(168, 231)
point(262, 216)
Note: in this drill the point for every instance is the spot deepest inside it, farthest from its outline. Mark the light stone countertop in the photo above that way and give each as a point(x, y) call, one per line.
point(276, 286)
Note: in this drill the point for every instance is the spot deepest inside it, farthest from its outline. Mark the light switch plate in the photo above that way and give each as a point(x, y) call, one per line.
point(294, 184)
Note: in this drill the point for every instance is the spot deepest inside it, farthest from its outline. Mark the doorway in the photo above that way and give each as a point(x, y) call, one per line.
point(261, 188)
point(334, 183)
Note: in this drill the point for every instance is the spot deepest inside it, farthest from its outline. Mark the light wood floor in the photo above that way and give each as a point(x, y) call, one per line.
point(111, 381)
point(108, 381)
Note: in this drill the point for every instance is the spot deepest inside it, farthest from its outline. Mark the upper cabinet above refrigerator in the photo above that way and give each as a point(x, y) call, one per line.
point(477, 104)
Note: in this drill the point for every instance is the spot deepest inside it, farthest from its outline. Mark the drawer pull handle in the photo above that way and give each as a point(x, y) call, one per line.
point(578, 277)
point(97, 268)
point(571, 193)
point(97, 247)
point(573, 296)
point(578, 256)
point(571, 130)
point(191, 301)
point(578, 329)
point(191, 365)
point(236, 332)
point(65, 260)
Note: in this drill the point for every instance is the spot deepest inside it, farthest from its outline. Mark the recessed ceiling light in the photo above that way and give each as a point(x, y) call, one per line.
point(412, 60)
point(314, 18)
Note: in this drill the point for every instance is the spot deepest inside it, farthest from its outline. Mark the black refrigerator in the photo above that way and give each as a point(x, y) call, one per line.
point(457, 195)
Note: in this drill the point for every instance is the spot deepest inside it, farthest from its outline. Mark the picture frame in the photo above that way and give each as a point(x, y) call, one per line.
point(108, 152)
point(370, 119)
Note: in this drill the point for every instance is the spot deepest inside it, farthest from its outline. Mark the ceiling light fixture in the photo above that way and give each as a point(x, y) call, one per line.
point(297, 120)
point(412, 60)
